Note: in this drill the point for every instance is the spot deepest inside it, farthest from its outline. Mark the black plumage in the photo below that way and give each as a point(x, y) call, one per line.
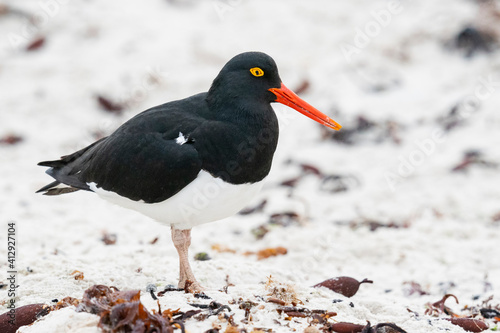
point(160, 161)
point(231, 132)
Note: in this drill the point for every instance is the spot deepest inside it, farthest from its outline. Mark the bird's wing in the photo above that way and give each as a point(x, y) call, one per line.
point(149, 166)
point(151, 157)
point(145, 167)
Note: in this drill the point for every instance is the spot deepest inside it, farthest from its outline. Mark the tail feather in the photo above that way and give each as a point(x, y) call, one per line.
point(61, 190)
point(65, 172)
point(54, 189)
point(49, 186)
point(53, 164)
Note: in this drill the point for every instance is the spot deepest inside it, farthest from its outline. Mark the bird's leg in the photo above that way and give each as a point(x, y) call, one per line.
point(182, 240)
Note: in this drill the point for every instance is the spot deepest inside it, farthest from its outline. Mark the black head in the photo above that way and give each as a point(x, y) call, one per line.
point(250, 80)
point(247, 76)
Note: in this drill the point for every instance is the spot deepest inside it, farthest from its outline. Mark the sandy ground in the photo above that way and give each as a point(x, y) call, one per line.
point(389, 63)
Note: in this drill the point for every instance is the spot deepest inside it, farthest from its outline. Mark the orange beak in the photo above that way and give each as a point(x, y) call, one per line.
point(289, 98)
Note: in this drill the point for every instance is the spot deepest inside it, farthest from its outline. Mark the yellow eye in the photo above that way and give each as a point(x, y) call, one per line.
point(256, 71)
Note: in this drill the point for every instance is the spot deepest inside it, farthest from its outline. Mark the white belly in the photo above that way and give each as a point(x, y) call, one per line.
point(205, 199)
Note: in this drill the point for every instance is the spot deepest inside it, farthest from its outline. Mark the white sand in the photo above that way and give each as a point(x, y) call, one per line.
point(111, 48)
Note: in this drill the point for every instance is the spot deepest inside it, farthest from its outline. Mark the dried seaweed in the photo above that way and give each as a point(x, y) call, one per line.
point(412, 287)
point(473, 158)
point(469, 324)
point(108, 239)
point(78, 275)
point(108, 105)
point(270, 252)
point(122, 311)
point(11, 139)
point(343, 285)
point(363, 129)
point(35, 44)
point(255, 209)
point(438, 307)
point(24, 315)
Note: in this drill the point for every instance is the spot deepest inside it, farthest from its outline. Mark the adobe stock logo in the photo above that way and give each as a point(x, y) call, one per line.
point(223, 7)
point(363, 36)
point(48, 9)
point(408, 163)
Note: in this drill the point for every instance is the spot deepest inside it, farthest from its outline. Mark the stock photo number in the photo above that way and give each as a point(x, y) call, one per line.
point(11, 270)
point(11, 245)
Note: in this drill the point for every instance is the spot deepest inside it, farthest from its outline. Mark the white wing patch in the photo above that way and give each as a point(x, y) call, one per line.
point(181, 139)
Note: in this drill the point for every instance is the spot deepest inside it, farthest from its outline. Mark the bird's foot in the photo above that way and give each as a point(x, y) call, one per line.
point(192, 287)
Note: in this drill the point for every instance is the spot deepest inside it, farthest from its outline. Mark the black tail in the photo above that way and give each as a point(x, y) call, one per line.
point(65, 160)
point(53, 189)
point(65, 172)
point(54, 164)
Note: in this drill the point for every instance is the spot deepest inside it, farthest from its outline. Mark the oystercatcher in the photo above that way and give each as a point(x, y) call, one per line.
point(190, 161)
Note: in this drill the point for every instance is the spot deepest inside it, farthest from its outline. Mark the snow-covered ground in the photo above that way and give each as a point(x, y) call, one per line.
point(391, 63)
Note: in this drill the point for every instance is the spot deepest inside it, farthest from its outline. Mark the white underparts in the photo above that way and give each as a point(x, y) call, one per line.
point(205, 199)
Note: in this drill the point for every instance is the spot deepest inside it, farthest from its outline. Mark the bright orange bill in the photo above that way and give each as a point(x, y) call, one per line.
point(289, 98)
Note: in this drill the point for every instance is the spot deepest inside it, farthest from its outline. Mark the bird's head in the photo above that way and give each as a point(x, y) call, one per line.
point(253, 76)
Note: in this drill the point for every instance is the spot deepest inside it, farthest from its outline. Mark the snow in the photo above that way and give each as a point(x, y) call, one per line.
point(144, 54)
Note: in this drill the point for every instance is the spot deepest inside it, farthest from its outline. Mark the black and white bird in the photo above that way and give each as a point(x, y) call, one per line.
point(191, 161)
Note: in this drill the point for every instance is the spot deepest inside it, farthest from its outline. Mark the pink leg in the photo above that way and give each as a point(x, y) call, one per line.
point(182, 240)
